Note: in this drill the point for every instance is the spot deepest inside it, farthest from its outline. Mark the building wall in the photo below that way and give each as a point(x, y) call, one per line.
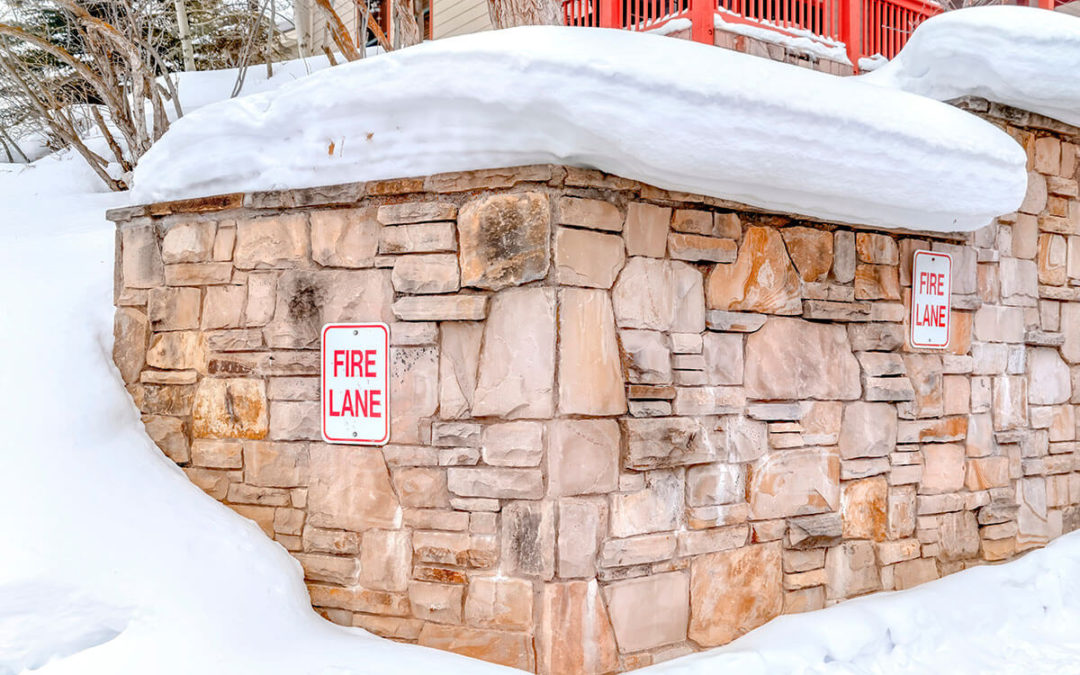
point(608, 397)
point(460, 17)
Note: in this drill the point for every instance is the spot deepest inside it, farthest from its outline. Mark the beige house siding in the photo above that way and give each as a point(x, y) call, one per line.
point(459, 17)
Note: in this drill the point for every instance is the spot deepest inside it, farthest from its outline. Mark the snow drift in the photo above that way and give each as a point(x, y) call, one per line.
point(1020, 56)
point(671, 113)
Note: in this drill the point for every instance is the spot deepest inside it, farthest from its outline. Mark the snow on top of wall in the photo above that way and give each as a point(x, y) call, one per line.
point(1020, 56)
point(672, 113)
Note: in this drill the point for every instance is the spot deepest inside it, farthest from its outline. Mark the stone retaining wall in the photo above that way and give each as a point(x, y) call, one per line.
point(627, 424)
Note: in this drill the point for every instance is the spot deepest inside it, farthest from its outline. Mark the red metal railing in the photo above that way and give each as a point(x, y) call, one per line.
point(866, 27)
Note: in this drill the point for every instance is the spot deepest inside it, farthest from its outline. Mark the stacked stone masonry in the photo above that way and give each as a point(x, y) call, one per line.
point(627, 424)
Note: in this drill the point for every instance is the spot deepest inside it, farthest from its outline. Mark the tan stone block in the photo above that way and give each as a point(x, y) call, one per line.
point(504, 240)
point(795, 482)
point(230, 408)
point(762, 279)
point(811, 251)
point(668, 597)
point(458, 363)
point(590, 372)
point(217, 454)
point(1035, 198)
point(434, 273)
point(901, 517)
point(174, 308)
point(350, 490)
point(224, 242)
point(263, 516)
point(640, 550)
point(791, 359)
point(213, 482)
point(876, 249)
point(911, 573)
point(591, 213)
point(804, 600)
point(223, 307)
point(867, 430)
point(646, 229)
point(647, 355)
point(272, 243)
point(723, 358)
point(956, 395)
point(329, 568)
point(864, 506)
point(733, 592)
point(1047, 158)
point(495, 482)
point(140, 261)
point(582, 525)
point(662, 295)
point(696, 542)
point(517, 362)
point(441, 603)
point(709, 484)
point(877, 282)
point(505, 648)
point(584, 258)
point(188, 242)
point(575, 635)
point(698, 248)
point(419, 238)
point(392, 627)
point(359, 599)
point(943, 468)
point(414, 393)
point(958, 535)
point(416, 212)
point(331, 541)
point(852, 570)
point(984, 473)
point(583, 457)
point(131, 329)
point(513, 444)
point(528, 539)
point(498, 602)
point(168, 433)
point(295, 421)
point(655, 508)
point(1009, 402)
point(421, 487)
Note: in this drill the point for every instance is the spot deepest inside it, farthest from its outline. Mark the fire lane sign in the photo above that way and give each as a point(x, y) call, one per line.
point(931, 299)
point(355, 380)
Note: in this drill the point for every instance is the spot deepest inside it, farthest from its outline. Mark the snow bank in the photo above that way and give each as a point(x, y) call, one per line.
point(796, 39)
point(672, 113)
point(1021, 56)
point(1020, 617)
point(113, 562)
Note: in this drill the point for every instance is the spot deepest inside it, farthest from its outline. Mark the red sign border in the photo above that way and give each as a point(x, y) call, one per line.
point(322, 384)
point(948, 314)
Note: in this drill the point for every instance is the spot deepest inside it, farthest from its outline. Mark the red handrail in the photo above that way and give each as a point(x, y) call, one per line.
point(867, 27)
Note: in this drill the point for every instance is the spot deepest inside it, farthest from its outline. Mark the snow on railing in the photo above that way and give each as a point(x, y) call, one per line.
point(866, 27)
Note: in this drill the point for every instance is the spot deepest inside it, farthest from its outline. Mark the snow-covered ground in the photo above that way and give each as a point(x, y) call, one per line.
point(672, 113)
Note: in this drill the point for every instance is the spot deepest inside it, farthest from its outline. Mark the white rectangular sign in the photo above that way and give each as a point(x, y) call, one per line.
point(931, 299)
point(356, 383)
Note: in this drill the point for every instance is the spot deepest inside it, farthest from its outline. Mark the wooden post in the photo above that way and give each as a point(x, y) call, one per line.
point(702, 21)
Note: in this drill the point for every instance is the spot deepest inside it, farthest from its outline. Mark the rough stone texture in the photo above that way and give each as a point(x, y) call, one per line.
point(819, 457)
point(668, 598)
point(811, 250)
point(584, 258)
point(659, 295)
point(517, 362)
point(794, 483)
point(583, 457)
point(794, 359)
point(504, 240)
point(590, 376)
point(733, 592)
point(350, 490)
point(762, 279)
point(344, 238)
point(575, 635)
